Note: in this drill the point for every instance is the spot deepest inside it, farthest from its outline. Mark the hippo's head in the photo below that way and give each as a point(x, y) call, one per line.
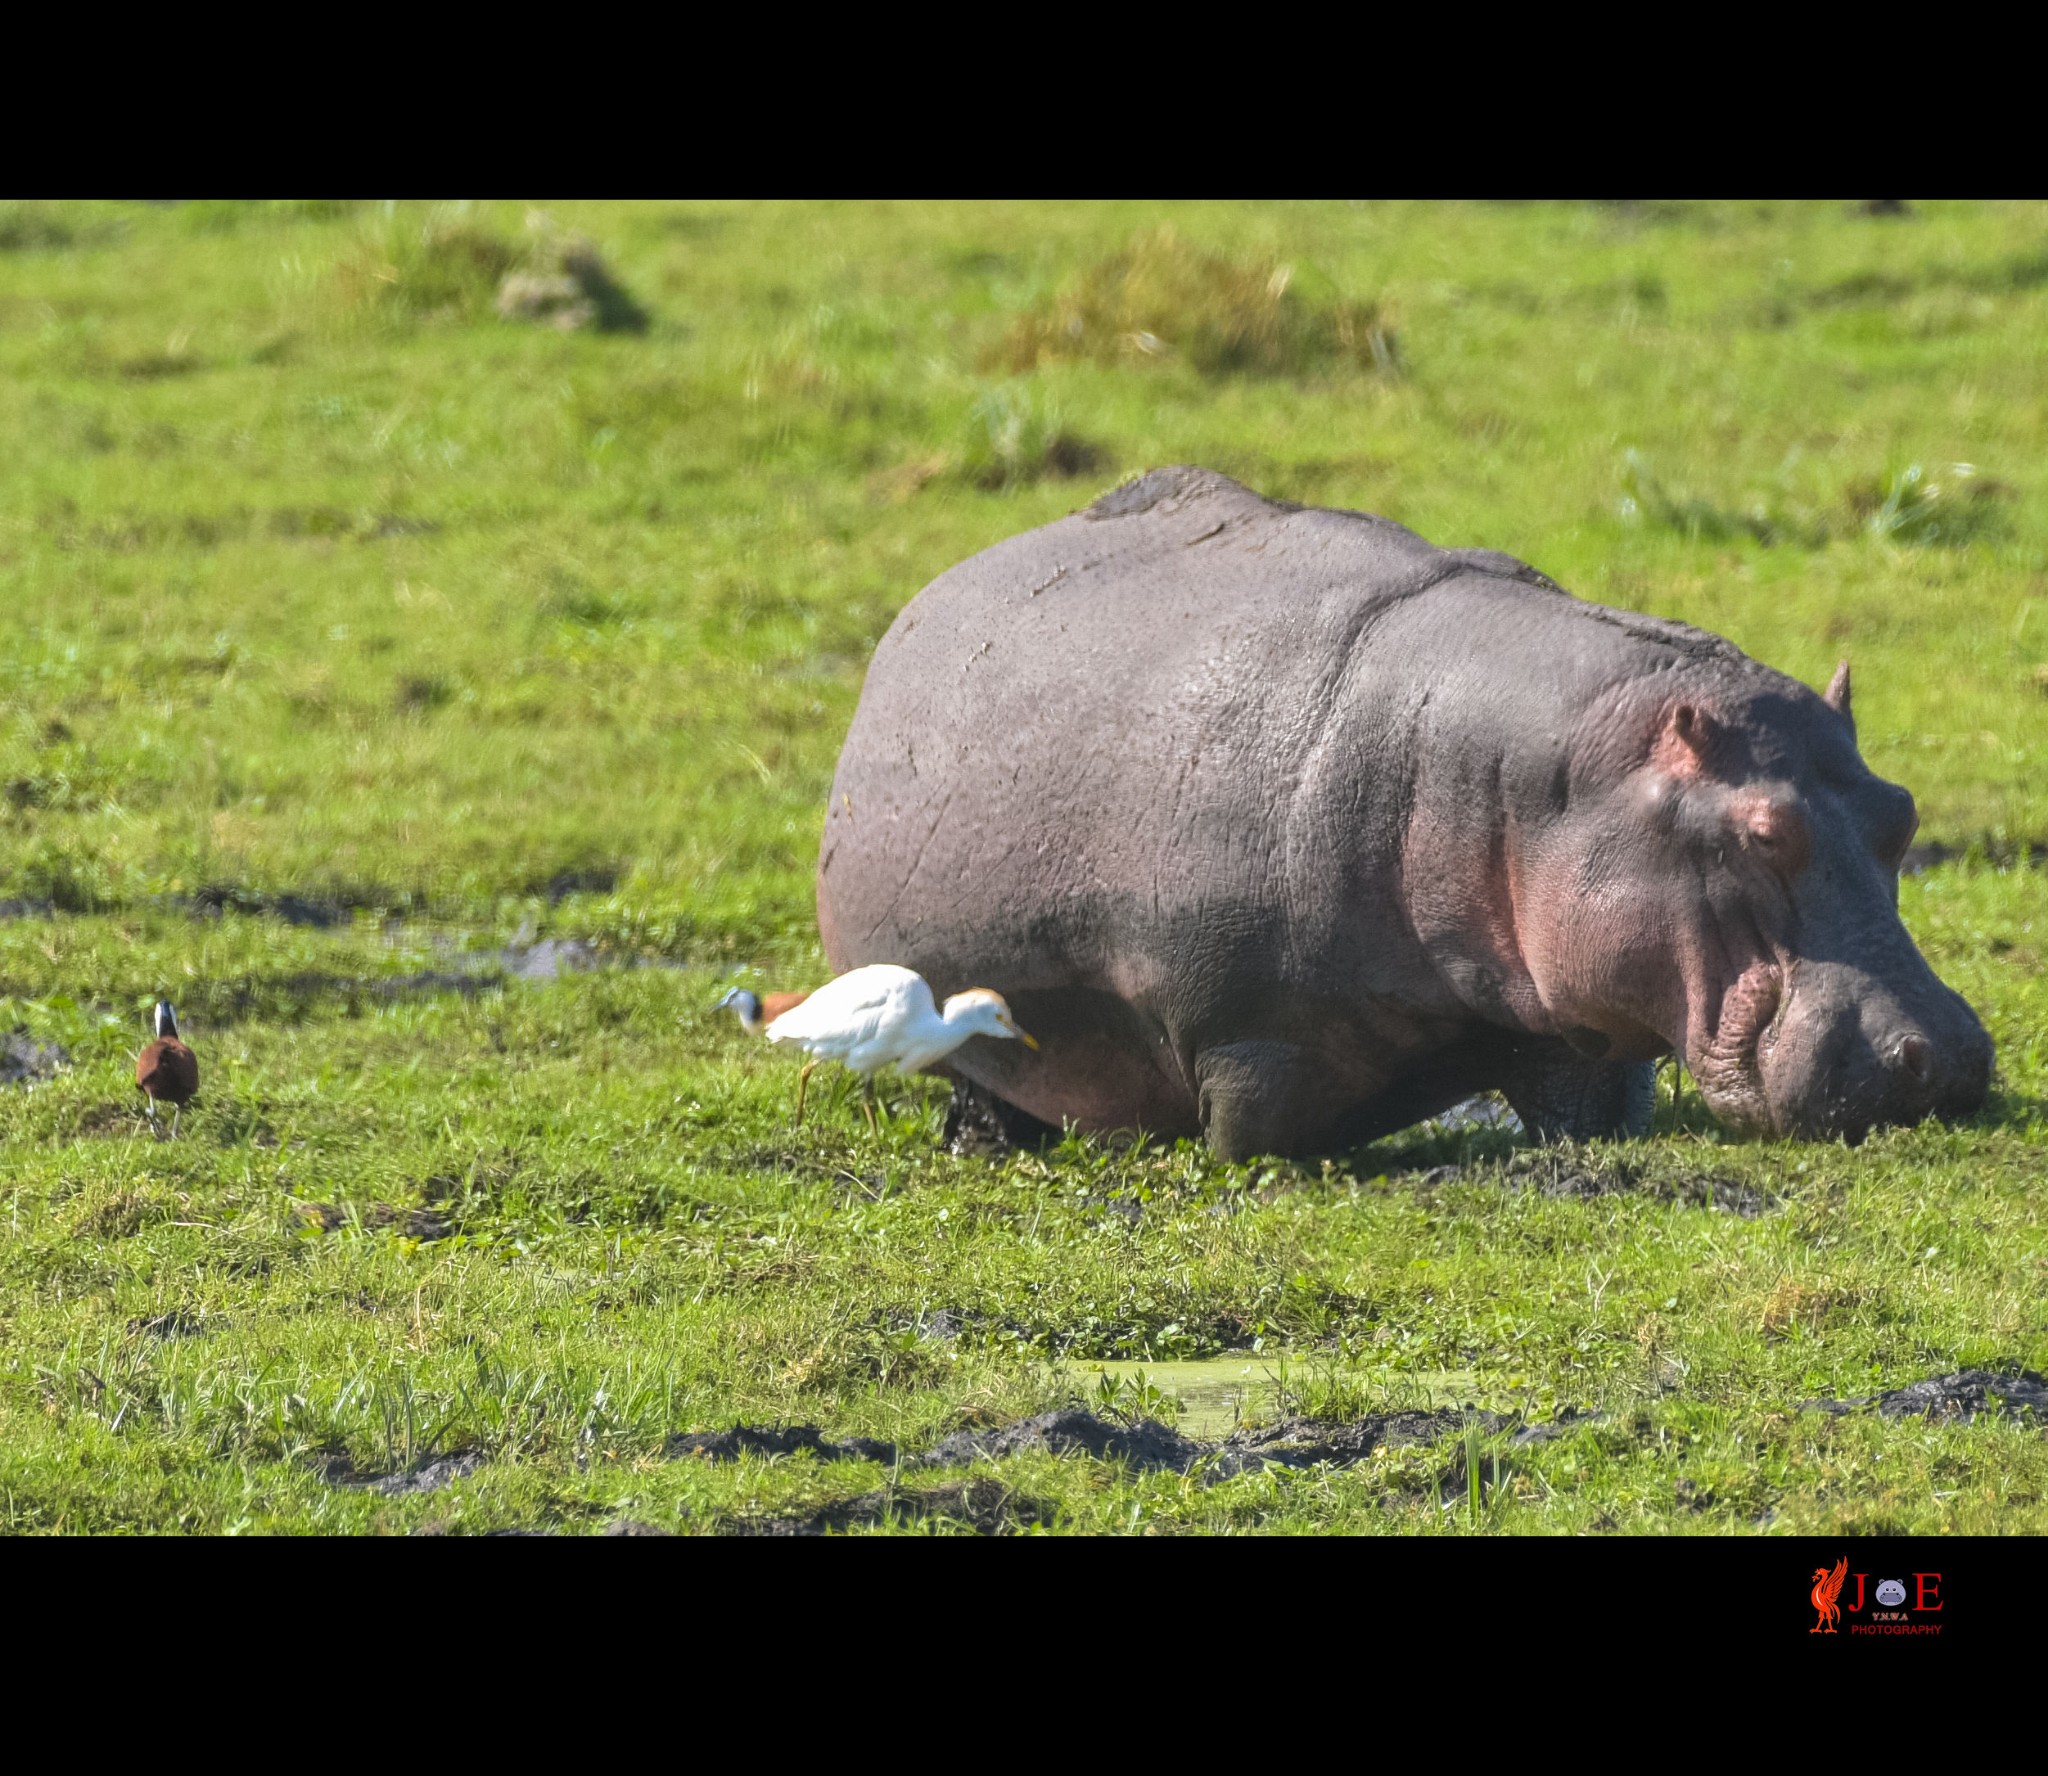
point(1725, 883)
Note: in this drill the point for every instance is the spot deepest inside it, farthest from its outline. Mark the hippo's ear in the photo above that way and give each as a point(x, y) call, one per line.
point(1687, 741)
point(1836, 696)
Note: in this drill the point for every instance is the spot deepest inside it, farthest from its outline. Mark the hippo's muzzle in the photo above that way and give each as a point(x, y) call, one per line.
point(1844, 1055)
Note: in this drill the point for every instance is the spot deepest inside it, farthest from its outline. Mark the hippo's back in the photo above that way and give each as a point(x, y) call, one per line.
point(1055, 725)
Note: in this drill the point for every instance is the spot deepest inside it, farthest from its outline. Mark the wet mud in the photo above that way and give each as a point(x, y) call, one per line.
point(338, 1469)
point(219, 1003)
point(468, 973)
point(320, 912)
point(24, 1061)
point(102, 1121)
point(982, 1505)
point(980, 1125)
point(1958, 1398)
point(773, 1440)
point(550, 959)
point(417, 1224)
point(180, 1322)
point(1565, 1171)
point(1143, 1444)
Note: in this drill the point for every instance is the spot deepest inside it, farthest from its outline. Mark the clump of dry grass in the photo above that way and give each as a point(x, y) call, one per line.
point(1014, 436)
point(1811, 1303)
point(449, 264)
point(120, 1214)
point(443, 264)
point(1163, 298)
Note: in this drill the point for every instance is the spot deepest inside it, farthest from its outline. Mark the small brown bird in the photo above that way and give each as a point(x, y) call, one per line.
point(167, 1071)
point(756, 1011)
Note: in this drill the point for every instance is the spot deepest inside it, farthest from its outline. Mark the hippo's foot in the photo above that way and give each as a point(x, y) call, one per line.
point(980, 1124)
point(1266, 1096)
point(1561, 1095)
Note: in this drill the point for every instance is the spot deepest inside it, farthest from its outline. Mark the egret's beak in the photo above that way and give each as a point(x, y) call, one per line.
point(1029, 1041)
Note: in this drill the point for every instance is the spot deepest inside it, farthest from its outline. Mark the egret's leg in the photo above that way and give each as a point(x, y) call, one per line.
point(803, 1081)
point(867, 1102)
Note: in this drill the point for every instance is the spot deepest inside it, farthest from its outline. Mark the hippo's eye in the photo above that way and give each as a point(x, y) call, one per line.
point(1776, 832)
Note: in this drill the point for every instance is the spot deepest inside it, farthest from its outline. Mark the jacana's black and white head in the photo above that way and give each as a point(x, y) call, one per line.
point(166, 1019)
point(747, 1006)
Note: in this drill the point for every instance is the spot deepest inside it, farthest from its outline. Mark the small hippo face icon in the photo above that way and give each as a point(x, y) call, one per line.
point(1891, 1593)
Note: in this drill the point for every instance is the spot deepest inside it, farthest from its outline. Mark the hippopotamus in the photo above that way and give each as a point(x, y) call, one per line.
point(1284, 827)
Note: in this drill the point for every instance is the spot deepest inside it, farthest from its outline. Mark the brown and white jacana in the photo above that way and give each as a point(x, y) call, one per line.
point(166, 1071)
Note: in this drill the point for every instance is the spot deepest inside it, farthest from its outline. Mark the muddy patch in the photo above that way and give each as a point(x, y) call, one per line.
point(1961, 1397)
point(1487, 1111)
point(219, 1003)
point(218, 898)
point(1565, 1171)
point(1143, 1445)
point(980, 1125)
point(99, 1121)
point(224, 1002)
point(775, 1440)
point(1218, 1395)
point(564, 883)
point(983, 1505)
point(987, 1505)
point(337, 1468)
point(1291, 1442)
point(550, 959)
point(416, 1224)
point(462, 973)
point(180, 1322)
point(1306, 1442)
point(25, 1061)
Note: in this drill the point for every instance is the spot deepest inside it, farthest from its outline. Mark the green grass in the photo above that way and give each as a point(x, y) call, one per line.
point(327, 590)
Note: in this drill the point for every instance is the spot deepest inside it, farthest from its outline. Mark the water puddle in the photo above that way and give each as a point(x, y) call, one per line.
point(1216, 1394)
point(1487, 1110)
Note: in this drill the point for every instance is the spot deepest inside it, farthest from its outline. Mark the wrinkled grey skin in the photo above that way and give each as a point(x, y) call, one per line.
point(1283, 826)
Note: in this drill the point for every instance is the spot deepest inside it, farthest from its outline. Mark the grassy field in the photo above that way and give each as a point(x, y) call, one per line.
point(356, 639)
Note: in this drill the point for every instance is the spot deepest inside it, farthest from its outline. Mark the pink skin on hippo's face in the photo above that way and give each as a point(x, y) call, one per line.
point(1726, 886)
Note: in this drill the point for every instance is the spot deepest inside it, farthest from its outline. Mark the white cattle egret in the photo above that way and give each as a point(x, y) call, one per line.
point(884, 1016)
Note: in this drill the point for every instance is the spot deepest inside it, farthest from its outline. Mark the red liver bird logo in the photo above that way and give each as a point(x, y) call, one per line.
point(1827, 1586)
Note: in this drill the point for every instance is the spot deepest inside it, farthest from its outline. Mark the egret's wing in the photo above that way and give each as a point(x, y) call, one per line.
point(852, 1012)
point(835, 1005)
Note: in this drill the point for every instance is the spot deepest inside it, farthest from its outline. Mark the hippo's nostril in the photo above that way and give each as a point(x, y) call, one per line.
point(1916, 1054)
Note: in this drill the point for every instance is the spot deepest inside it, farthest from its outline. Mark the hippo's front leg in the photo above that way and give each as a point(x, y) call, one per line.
point(1562, 1095)
point(1262, 1096)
